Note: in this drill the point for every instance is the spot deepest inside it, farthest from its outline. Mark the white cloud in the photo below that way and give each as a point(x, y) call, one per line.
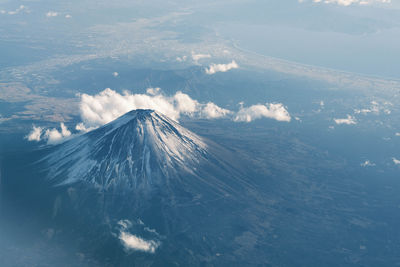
point(185, 103)
point(132, 242)
point(274, 111)
point(115, 74)
point(212, 111)
point(349, 2)
point(35, 134)
point(53, 136)
point(397, 134)
point(367, 163)
point(197, 57)
point(214, 68)
point(68, 16)
point(81, 127)
point(51, 14)
point(396, 161)
point(349, 120)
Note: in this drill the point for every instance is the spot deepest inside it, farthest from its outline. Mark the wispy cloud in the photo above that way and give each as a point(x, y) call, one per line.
point(214, 68)
point(349, 2)
point(375, 108)
point(133, 242)
point(153, 91)
point(20, 9)
point(197, 57)
point(367, 163)
point(349, 120)
point(51, 14)
point(183, 58)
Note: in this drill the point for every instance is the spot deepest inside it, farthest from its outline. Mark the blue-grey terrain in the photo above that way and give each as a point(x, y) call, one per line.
point(187, 133)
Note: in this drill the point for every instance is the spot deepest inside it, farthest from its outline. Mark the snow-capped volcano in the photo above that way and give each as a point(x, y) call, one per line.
point(171, 187)
point(140, 150)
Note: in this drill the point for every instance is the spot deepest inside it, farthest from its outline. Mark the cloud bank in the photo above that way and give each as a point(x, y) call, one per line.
point(108, 105)
point(214, 68)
